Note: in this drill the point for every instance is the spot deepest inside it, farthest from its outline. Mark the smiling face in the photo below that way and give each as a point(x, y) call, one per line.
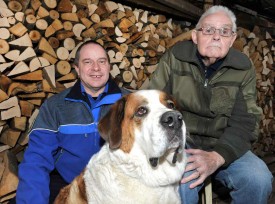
point(93, 68)
point(213, 47)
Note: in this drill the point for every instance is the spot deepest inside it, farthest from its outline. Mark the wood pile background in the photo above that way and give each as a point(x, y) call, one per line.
point(38, 40)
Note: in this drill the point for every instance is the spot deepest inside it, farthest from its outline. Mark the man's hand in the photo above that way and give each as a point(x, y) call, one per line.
point(204, 163)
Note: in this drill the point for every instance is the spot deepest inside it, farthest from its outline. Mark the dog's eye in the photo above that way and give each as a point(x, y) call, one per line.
point(141, 111)
point(170, 104)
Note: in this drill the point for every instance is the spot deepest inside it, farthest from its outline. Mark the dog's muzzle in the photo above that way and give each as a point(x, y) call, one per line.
point(172, 122)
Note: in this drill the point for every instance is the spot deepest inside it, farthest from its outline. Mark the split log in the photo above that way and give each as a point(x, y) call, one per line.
point(15, 6)
point(50, 74)
point(5, 12)
point(55, 26)
point(69, 44)
point(35, 36)
point(41, 24)
point(19, 123)
point(19, 29)
point(26, 108)
point(42, 12)
point(23, 140)
point(20, 68)
point(45, 46)
point(23, 41)
point(54, 42)
point(26, 54)
point(50, 59)
point(4, 33)
point(78, 28)
point(69, 17)
point(63, 67)
point(3, 96)
point(183, 36)
point(50, 4)
point(12, 55)
point(64, 6)
point(17, 87)
point(9, 179)
point(67, 25)
point(11, 113)
point(54, 14)
point(33, 76)
point(38, 62)
point(2, 59)
point(4, 46)
point(62, 53)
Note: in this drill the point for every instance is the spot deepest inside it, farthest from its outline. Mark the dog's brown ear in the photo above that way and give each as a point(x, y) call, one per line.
point(110, 125)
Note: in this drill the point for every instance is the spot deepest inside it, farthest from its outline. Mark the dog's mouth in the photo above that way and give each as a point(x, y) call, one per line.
point(171, 123)
point(172, 156)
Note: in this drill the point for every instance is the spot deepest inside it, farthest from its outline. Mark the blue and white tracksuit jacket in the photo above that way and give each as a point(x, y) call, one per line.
point(64, 137)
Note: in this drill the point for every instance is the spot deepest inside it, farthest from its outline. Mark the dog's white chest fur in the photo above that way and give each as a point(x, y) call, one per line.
point(119, 181)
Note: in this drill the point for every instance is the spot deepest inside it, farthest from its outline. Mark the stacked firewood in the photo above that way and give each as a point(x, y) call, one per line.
point(38, 41)
point(258, 45)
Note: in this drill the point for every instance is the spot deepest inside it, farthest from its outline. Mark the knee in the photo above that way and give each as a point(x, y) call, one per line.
point(260, 180)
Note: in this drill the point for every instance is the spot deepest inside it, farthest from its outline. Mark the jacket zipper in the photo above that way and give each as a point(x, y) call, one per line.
point(57, 159)
point(205, 78)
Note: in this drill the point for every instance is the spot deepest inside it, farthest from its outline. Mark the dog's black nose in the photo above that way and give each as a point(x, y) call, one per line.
point(171, 119)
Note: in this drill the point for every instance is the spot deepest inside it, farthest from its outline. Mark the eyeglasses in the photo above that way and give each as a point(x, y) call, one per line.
point(225, 32)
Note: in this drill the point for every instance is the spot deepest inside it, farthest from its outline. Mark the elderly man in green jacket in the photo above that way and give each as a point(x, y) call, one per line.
point(216, 87)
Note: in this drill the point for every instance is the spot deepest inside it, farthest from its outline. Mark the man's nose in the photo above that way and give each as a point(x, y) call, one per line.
point(216, 34)
point(96, 66)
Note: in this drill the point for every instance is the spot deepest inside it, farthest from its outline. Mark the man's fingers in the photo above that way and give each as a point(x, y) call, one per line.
point(192, 151)
point(197, 182)
point(191, 177)
point(190, 167)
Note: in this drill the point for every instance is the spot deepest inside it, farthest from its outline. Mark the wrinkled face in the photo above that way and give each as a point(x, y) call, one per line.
point(147, 120)
point(93, 69)
point(214, 46)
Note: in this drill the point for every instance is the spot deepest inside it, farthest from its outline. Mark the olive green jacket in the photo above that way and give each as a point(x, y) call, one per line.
point(220, 112)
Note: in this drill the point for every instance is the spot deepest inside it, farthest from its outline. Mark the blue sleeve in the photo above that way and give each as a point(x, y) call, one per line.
point(38, 161)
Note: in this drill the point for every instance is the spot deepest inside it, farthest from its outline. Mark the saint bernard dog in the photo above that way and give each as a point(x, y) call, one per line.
point(143, 159)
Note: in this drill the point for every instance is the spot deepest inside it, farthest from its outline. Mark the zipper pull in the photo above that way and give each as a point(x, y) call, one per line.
point(205, 83)
point(206, 79)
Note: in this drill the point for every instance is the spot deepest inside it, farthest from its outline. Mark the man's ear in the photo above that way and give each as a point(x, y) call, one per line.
point(76, 69)
point(194, 36)
point(110, 127)
point(233, 39)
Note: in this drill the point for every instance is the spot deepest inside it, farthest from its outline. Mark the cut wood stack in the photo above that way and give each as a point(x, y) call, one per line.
point(258, 45)
point(38, 41)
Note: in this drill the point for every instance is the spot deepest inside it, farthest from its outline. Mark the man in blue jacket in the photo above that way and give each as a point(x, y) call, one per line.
point(65, 135)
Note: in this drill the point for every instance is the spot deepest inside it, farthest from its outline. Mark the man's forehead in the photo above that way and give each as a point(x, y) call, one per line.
point(94, 49)
point(89, 58)
point(217, 24)
point(92, 46)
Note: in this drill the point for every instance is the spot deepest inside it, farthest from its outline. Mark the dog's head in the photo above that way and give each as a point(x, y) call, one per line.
point(149, 119)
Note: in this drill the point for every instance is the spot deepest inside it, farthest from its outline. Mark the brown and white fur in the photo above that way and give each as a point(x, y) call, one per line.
point(143, 158)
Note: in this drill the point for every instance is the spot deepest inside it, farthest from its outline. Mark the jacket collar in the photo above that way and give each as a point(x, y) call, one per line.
point(76, 94)
point(232, 59)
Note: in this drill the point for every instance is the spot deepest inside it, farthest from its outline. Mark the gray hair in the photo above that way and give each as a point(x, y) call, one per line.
point(217, 9)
